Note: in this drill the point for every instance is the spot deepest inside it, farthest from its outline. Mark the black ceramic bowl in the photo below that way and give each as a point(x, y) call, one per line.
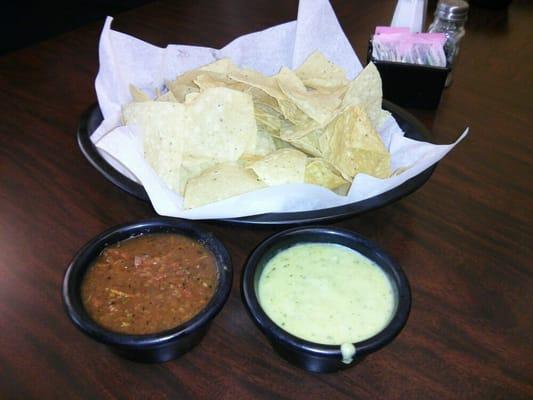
point(162, 346)
point(308, 355)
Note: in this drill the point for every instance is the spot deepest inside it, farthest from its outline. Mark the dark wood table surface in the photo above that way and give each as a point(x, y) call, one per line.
point(464, 239)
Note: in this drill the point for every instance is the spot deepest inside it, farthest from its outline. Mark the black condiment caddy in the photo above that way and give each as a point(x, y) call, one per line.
point(410, 85)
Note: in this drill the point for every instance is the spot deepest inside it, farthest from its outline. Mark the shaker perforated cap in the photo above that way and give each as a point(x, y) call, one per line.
point(452, 10)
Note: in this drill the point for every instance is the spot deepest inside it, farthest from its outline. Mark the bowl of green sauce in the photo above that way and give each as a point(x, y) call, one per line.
point(325, 297)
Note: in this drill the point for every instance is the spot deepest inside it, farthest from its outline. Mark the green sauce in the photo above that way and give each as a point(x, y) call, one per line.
point(326, 293)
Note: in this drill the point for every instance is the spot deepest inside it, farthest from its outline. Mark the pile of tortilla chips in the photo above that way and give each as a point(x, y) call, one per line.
point(219, 131)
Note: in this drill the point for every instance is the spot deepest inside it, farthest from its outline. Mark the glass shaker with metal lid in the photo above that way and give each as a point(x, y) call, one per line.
point(450, 18)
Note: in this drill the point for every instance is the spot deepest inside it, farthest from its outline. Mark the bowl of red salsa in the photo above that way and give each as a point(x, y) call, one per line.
point(148, 289)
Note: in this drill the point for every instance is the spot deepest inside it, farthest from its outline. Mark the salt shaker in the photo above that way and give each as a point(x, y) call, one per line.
point(450, 18)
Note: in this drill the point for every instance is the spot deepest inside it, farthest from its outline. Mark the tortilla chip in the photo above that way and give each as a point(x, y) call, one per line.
point(247, 160)
point(209, 80)
point(281, 166)
point(206, 81)
point(260, 96)
point(269, 117)
point(292, 113)
point(355, 146)
point(269, 86)
point(264, 144)
point(343, 189)
point(324, 140)
point(159, 123)
point(137, 94)
point(218, 183)
point(308, 144)
point(168, 96)
point(318, 72)
point(183, 85)
point(193, 166)
point(281, 144)
point(317, 105)
point(223, 66)
point(382, 117)
point(258, 80)
point(220, 125)
point(189, 98)
point(290, 131)
point(365, 91)
point(320, 172)
point(180, 91)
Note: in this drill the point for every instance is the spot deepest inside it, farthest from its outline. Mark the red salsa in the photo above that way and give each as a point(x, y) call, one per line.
point(149, 283)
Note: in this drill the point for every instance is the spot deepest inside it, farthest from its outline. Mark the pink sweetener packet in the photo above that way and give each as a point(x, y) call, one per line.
point(433, 37)
point(421, 49)
point(387, 47)
point(430, 46)
point(390, 29)
point(412, 48)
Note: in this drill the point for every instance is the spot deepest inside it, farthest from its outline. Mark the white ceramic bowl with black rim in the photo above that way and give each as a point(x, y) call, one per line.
point(305, 354)
point(161, 346)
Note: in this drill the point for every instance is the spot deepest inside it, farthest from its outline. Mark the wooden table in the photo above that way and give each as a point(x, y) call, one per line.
point(464, 239)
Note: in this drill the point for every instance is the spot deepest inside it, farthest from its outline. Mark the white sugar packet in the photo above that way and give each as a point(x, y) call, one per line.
point(125, 60)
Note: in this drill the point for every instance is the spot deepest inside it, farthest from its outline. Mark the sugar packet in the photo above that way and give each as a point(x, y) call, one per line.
point(398, 44)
